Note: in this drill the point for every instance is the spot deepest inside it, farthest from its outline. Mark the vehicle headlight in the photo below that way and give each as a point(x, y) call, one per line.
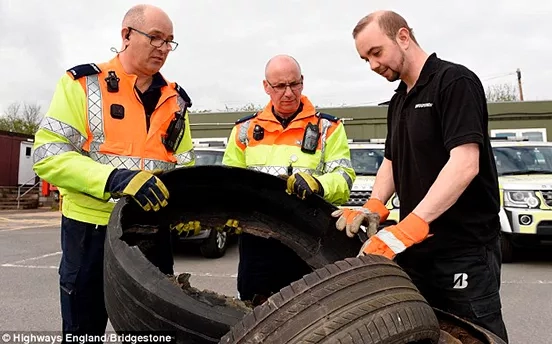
point(396, 202)
point(521, 199)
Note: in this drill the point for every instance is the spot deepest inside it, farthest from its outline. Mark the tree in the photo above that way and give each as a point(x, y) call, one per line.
point(25, 121)
point(200, 111)
point(502, 93)
point(249, 107)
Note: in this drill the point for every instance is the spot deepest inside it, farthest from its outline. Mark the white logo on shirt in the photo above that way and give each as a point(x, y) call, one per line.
point(460, 281)
point(423, 105)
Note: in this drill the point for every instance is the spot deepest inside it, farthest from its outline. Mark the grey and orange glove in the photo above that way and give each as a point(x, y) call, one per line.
point(370, 215)
point(303, 185)
point(144, 187)
point(393, 240)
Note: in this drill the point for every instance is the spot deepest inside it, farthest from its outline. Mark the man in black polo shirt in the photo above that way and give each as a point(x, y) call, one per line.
point(439, 160)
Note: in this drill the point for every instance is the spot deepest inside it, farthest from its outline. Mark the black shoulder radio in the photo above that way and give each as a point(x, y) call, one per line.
point(175, 131)
point(311, 137)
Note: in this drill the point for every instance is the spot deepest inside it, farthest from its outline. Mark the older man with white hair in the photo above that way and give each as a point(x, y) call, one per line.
point(107, 129)
point(288, 137)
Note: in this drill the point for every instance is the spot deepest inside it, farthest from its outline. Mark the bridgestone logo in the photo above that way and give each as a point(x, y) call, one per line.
point(460, 281)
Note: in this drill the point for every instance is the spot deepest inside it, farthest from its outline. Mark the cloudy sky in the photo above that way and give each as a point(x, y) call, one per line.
point(224, 45)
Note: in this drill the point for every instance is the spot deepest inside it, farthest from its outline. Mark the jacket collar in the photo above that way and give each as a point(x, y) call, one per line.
point(115, 64)
point(158, 81)
point(308, 110)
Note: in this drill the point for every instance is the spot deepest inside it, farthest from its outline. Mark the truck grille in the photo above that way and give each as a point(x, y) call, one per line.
point(358, 198)
point(547, 195)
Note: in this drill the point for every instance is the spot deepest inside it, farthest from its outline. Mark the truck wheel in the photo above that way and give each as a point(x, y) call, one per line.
point(364, 300)
point(215, 245)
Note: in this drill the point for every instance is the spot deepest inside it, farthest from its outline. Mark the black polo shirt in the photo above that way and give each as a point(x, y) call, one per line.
point(445, 109)
point(151, 96)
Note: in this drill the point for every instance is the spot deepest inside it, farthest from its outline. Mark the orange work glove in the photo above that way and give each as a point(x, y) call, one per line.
point(371, 214)
point(392, 240)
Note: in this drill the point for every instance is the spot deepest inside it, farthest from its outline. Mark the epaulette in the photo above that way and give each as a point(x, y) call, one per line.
point(328, 117)
point(183, 94)
point(246, 118)
point(84, 70)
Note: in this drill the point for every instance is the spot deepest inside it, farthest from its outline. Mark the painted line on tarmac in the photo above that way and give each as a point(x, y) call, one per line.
point(38, 257)
point(29, 266)
point(21, 264)
point(195, 274)
point(35, 219)
point(208, 274)
point(29, 227)
point(18, 264)
point(26, 221)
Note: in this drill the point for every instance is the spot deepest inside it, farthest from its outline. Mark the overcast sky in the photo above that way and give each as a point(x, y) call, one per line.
point(224, 45)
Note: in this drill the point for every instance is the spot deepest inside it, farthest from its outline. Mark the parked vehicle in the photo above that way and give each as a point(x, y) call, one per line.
point(525, 178)
point(366, 157)
point(213, 243)
point(209, 152)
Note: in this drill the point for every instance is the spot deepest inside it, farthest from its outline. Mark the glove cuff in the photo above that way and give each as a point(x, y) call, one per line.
point(414, 227)
point(109, 180)
point(376, 206)
point(118, 180)
point(320, 191)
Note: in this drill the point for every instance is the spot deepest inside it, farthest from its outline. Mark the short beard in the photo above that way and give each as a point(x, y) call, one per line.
point(396, 75)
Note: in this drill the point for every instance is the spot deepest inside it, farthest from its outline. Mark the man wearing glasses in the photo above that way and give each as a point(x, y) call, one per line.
point(107, 130)
point(290, 138)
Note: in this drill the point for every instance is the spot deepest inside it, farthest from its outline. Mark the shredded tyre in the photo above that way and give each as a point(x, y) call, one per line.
point(344, 300)
point(139, 297)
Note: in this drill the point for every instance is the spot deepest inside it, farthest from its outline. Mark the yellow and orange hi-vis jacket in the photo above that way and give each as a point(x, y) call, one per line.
point(279, 148)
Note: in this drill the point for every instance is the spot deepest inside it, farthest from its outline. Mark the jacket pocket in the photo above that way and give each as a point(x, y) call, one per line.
point(117, 148)
point(486, 305)
point(255, 158)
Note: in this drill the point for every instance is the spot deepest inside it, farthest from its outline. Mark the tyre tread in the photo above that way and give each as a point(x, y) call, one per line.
point(370, 319)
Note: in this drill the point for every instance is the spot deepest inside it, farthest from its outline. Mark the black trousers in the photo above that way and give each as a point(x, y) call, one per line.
point(266, 266)
point(81, 275)
point(463, 282)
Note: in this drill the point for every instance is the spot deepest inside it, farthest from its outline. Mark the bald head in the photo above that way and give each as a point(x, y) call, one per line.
point(147, 37)
point(388, 21)
point(139, 15)
point(284, 84)
point(281, 63)
point(135, 16)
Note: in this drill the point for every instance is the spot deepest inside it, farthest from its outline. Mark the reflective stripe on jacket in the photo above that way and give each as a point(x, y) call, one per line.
point(280, 148)
point(79, 143)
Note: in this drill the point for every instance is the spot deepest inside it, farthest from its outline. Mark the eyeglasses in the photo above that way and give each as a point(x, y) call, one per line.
point(156, 41)
point(280, 88)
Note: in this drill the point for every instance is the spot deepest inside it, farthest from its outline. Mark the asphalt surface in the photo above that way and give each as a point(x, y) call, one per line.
point(29, 293)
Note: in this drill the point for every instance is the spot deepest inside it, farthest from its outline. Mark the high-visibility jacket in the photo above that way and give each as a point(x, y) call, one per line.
point(83, 138)
point(280, 148)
